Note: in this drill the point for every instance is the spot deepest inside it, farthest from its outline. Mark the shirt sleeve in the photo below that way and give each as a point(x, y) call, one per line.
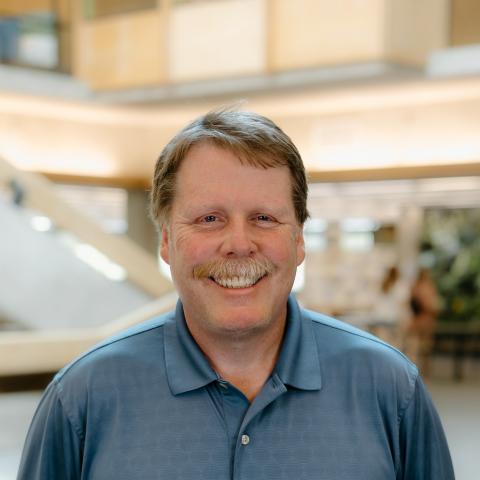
point(424, 448)
point(53, 446)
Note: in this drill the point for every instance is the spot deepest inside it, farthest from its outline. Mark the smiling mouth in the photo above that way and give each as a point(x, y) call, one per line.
point(237, 282)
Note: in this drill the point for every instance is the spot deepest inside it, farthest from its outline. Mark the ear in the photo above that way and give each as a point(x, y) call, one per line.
point(164, 245)
point(300, 241)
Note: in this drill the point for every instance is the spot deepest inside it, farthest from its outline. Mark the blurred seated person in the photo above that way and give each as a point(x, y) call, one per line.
point(424, 305)
point(390, 311)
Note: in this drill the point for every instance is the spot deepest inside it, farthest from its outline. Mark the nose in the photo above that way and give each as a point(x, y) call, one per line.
point(238, 241)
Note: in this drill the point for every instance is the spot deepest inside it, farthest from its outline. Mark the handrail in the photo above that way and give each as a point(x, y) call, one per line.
point(28, 352)
point(38, 194)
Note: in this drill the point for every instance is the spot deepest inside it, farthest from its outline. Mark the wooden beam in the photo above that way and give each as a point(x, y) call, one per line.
point(14, 7)
point(395, 173)
point(129, 183)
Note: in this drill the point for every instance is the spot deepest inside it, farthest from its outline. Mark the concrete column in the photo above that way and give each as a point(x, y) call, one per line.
point(409, 230)
point(140, 227)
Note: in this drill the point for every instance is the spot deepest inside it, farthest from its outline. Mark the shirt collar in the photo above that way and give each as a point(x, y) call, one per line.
point(298, 364)
point(188, 368)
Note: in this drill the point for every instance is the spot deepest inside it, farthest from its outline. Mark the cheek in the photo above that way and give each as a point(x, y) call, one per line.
point(282, 251)
point(192, 249)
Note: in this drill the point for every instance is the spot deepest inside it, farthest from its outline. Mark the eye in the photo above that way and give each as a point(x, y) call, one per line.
point(209, 218)
point(265, 220)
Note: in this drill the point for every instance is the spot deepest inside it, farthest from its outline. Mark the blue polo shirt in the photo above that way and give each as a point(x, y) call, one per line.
point(146, 404)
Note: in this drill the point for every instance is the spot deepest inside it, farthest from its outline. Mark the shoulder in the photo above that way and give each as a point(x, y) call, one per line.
point(345, 335)
point(129, 349)
point(356, 354)
point(111, 373)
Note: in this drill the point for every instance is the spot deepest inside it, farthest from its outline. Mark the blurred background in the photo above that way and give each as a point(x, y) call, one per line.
point(382, 97)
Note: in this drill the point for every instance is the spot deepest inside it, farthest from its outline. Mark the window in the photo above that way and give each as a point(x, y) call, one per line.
point(357, 234)
point(315, 234)
point(30, 39)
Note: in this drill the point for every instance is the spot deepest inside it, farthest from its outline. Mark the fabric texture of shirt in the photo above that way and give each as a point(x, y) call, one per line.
point(146, 404)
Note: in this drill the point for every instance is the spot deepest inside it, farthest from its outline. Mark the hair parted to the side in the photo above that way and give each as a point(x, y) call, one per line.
point(255, 139)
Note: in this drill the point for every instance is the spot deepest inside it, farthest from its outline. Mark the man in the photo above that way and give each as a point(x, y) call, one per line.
point(238, 382)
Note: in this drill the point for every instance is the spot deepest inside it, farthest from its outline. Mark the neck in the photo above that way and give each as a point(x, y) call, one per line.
point(244, 361)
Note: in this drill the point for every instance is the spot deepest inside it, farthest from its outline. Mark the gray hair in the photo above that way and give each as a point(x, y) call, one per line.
point(255, 139)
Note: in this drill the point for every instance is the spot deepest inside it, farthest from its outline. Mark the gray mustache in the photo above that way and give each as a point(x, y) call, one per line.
point(229, 268)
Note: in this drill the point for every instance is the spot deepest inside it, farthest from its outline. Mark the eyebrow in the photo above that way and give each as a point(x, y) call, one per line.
point(195, 210)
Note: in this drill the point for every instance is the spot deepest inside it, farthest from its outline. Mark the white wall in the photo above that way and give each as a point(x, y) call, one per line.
point(44, 285)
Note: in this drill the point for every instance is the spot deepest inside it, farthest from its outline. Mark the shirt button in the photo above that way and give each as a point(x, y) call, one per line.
point(245, 439)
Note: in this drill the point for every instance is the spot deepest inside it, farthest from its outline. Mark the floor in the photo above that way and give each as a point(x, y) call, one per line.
point(459, 408)
point(16, 410)
point(458, 405)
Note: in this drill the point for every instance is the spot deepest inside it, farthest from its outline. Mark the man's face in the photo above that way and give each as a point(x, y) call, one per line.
point(233, 243)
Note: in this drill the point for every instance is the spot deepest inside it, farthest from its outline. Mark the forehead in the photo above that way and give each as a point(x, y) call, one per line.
point(209, 170)
point(255, 156)
point(207, 155)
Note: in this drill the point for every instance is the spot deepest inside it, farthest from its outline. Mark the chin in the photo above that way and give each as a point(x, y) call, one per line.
point(241, 321)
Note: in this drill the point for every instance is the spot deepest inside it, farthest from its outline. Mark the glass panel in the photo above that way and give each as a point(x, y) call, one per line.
point(315, 234)
point(30, 40)
point(358, 234)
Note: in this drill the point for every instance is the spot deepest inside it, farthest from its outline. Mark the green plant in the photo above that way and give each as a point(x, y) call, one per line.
point(451, 249)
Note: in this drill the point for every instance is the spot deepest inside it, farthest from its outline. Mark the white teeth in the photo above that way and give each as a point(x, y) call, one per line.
point(236, 282)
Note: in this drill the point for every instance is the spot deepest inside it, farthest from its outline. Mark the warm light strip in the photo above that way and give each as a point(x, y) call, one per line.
point(369, 97)
point(93, 113)
point(305, 102)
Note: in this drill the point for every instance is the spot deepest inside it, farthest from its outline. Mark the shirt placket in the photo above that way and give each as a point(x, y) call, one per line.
point(246, 450)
